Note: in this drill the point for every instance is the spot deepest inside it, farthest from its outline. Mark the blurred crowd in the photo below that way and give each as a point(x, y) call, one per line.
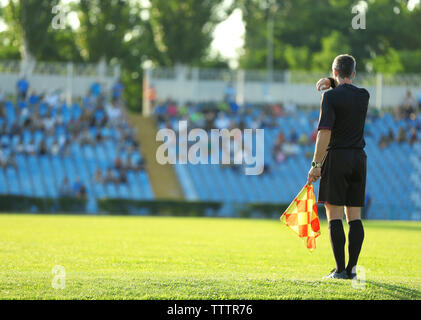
point(228, 114)
point(87, 121)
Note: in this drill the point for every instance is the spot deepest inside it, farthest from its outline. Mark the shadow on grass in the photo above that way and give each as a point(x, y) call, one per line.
point(395, 291)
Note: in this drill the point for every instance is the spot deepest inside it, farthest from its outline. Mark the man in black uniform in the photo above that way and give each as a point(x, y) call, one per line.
point(340, 161)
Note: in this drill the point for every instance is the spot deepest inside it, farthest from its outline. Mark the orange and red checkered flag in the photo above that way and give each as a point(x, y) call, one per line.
point(302, 217)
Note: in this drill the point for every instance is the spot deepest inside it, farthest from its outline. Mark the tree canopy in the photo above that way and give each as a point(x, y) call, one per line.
point(307, 34)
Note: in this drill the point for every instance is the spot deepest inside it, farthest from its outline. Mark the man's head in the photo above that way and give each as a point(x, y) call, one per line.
point(344, 66)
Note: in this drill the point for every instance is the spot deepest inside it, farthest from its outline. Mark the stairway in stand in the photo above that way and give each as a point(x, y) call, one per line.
point(163, 178)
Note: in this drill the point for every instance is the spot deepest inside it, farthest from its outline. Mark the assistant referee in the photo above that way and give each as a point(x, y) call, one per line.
point(340, 161)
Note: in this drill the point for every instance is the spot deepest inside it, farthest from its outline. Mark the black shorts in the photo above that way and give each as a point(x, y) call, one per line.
point(343, 178)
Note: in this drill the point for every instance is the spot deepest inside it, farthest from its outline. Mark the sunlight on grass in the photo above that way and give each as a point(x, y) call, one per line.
point(196, 258)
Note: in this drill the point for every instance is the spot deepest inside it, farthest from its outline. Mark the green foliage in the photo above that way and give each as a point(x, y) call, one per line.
point(158, 207)
point(308, 34)
point(182, 30)
point(332, 46)
point(44, 205)
point(388, 63)
point(297, 58)
point(410, 60)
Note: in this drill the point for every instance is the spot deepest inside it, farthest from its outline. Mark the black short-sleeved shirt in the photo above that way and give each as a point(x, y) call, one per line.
point(343, 111)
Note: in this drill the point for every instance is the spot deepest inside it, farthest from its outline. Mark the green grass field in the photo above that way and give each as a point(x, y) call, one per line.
point(196, 258)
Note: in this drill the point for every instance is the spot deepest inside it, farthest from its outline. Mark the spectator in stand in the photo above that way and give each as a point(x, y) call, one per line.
point(65, 189)
point(407, 107)
point(123, 177)
point(280, 139)
point(290, 108)
point(113, 113)
point(82, 192)
point(3, 159)
point(20, 147)
point(277, 110)
point(234, 107)
point(402, 135)
point(30, 148)
point(256, 123)
point(110, 177)
point(34, 99)
point(197, 119)
point(48, 123)
point(15, 129)
point(77, 186)
point(290, 149)
point(172, 109)
point(42, 149)
point(160, 112)
point(277, 151)
point(118, 164)
point(11, 161)
point(222, 121)
point(413, 136)
point(117, 91)
point(151, 92)
point(3, 128)
point(293, 136)
point(53, 98)
point(278, 154)
point(22, 88)
point(313, 136)
point(383, 142)
point(390, 136)
point(96, 89)
point(55, 148)
point(85, 137)
point(230, 93)
point(303, 140)
point(98, 176)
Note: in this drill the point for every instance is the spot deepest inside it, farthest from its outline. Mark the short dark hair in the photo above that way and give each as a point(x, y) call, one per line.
point(345, 65)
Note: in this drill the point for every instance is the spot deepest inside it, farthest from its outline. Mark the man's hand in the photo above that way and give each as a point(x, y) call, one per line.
point(314, 174)
point(323, 84)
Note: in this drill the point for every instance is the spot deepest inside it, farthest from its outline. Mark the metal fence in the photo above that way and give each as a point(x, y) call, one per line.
point(183, 83)
point(74, 79)
point(287, 76)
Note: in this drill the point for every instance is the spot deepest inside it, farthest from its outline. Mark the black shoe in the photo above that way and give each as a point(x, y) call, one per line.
point(337, 275)
point(352, 276)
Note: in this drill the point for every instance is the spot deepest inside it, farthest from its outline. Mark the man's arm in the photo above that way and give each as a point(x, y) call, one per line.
point(322, 142)
point(324, 84)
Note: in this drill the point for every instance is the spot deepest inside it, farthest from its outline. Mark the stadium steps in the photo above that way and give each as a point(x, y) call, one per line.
point(163, 179)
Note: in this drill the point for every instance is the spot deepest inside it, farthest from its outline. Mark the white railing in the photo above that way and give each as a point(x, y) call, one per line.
point(72, 78)
point(184, 83)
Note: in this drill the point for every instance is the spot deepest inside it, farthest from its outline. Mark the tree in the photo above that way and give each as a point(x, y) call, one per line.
point(331, 47)
point(308, 34)
point(30, 32)
point(182, 30)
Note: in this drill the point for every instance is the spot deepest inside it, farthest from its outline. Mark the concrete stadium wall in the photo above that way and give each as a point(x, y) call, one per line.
point(78, 86)
point(302, 94)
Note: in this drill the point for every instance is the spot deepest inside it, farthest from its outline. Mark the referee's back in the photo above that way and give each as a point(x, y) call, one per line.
point(344, 111)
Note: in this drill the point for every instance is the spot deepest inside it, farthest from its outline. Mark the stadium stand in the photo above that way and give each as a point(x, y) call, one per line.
point(88, 150)
point(394, 156)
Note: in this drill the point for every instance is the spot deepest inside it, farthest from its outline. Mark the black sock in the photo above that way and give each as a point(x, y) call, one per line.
point(337, 240)
point(355, 241)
